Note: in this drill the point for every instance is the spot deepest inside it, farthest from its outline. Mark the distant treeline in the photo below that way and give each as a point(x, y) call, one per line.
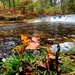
point(35, 8)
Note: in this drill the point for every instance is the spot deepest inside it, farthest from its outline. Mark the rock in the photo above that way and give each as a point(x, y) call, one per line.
point(14, 18)
point(2, 18)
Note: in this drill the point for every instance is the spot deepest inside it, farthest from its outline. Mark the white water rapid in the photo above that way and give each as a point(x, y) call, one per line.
point(60, 18)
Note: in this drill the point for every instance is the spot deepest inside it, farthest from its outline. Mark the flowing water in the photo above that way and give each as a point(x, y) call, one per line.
point(61, 18)
point(51, 33)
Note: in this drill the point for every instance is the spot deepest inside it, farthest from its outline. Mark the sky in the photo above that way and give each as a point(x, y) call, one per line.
point(34, 0)
point(53, 0)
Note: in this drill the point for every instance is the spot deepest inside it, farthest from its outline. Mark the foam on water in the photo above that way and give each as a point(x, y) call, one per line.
point(63, 46)
point(60, 18)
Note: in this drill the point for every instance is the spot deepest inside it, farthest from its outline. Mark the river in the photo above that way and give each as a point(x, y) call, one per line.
point(51, 34)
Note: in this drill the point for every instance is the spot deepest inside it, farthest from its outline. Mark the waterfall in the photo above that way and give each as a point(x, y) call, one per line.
point(60, 18)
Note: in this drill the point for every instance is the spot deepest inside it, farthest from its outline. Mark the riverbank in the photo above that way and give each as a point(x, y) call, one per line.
point(14, 19)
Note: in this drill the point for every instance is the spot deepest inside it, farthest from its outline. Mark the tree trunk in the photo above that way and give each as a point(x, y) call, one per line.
point(23, 10)
point(3, 4)
point(51, 2)
point(54, 2)
point(14, 6)
point(54, 6)
point(9, 4)
point(61, 4)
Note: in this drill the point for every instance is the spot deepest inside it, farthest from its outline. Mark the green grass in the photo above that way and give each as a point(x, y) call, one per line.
point(33, 56)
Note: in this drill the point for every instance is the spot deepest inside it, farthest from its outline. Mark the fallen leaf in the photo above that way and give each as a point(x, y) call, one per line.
point(36, 39)
point(28, 67)
point(32, 46)
point(25, 40)
point(17, 48)
point(52, 56)
point(22, 50)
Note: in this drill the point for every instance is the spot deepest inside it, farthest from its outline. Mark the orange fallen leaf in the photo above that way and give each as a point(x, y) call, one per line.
point(30, 45)
point(25, 40)
point(22, 50)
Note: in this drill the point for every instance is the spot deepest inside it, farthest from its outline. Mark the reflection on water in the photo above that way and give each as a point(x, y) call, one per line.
point(50, 33)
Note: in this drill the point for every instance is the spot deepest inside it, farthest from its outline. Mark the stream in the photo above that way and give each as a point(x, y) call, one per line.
point(51, 33)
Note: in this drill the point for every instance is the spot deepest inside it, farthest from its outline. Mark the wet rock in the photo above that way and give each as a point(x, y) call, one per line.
point(2, 18)
point(14, 18)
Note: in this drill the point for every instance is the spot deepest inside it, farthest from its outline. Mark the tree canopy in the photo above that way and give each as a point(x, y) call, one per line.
point(37, 7)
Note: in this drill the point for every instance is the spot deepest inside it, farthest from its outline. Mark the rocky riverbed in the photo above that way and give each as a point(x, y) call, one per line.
point(50, 34)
